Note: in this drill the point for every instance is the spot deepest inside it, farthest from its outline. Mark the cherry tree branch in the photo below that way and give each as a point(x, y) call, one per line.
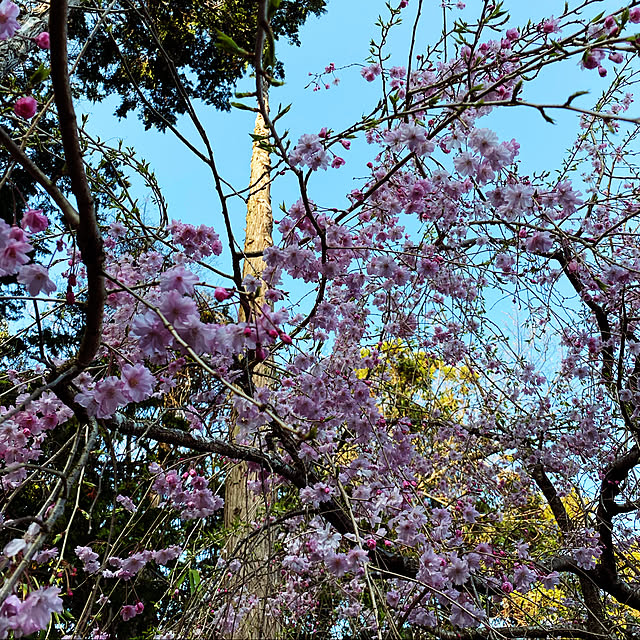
point(88, 232)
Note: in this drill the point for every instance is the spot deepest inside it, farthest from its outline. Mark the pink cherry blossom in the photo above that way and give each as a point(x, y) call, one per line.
point(89, 559)
point(13, 254)
point(177, 308)
point(34, 220)
point(36, 610)
point(178, 279)
point(164, 556)
point(36, 279)
point(539, 242)
point(151, 335)
point(127, 503)
point(129, 611)
point(8, 23)
point(371, 72)
point(110, 396)
point(138, 382)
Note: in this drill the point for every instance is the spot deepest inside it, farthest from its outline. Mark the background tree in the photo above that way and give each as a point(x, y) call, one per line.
point(176, 55)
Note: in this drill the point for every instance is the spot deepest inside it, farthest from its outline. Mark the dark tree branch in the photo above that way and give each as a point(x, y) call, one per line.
point(607, 509)
point(88, 232)
point(553, 499)
point(600, 314)
point(520, 632)
point(590, 593)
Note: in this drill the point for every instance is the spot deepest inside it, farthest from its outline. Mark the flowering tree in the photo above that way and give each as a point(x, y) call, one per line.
point(418, 472)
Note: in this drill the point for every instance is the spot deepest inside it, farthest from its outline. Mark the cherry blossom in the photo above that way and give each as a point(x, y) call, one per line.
point(34, 220)
point(8, 23)
point(428, 395)
point(36, 279)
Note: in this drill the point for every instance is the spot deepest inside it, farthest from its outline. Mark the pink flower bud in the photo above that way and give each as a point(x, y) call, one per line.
point(286, 338)
point(25, 107)
point(611, 25)
point(42, 40)
point(221, 294)
point(634, 15)
point(507, 587)
point(261, 354)
point(590, 62)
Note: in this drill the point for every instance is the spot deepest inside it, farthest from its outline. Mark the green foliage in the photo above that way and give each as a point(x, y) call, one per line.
point(205, 45)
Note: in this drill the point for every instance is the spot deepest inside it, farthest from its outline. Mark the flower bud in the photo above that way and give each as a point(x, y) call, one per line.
point(42, 40)
point(221, 294)
point(25, 107)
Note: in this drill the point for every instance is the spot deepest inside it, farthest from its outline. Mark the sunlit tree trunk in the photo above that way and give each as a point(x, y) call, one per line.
point(242, 505)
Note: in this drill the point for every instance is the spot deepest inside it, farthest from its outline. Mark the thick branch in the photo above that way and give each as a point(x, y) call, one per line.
point(204, 445)
point(607, 509)
point(520, 632)
point(593, 603)
point(88, 232)
point(549, 491)
point(605, 575)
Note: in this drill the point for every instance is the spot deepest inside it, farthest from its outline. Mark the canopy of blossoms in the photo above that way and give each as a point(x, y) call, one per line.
point(410, 464)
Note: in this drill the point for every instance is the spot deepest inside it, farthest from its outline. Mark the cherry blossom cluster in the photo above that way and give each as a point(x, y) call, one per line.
point(14, 250)
point(126, 568)
point(23, 432)
point(24, 617)
point(188, 493)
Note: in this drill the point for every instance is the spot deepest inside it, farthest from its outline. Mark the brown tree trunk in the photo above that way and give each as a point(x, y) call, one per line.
point(242, 505)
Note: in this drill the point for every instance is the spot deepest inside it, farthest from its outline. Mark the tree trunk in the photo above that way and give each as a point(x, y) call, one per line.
point(242, 505)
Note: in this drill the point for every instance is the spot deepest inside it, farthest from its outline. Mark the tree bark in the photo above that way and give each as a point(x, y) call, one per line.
point(242, 505)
